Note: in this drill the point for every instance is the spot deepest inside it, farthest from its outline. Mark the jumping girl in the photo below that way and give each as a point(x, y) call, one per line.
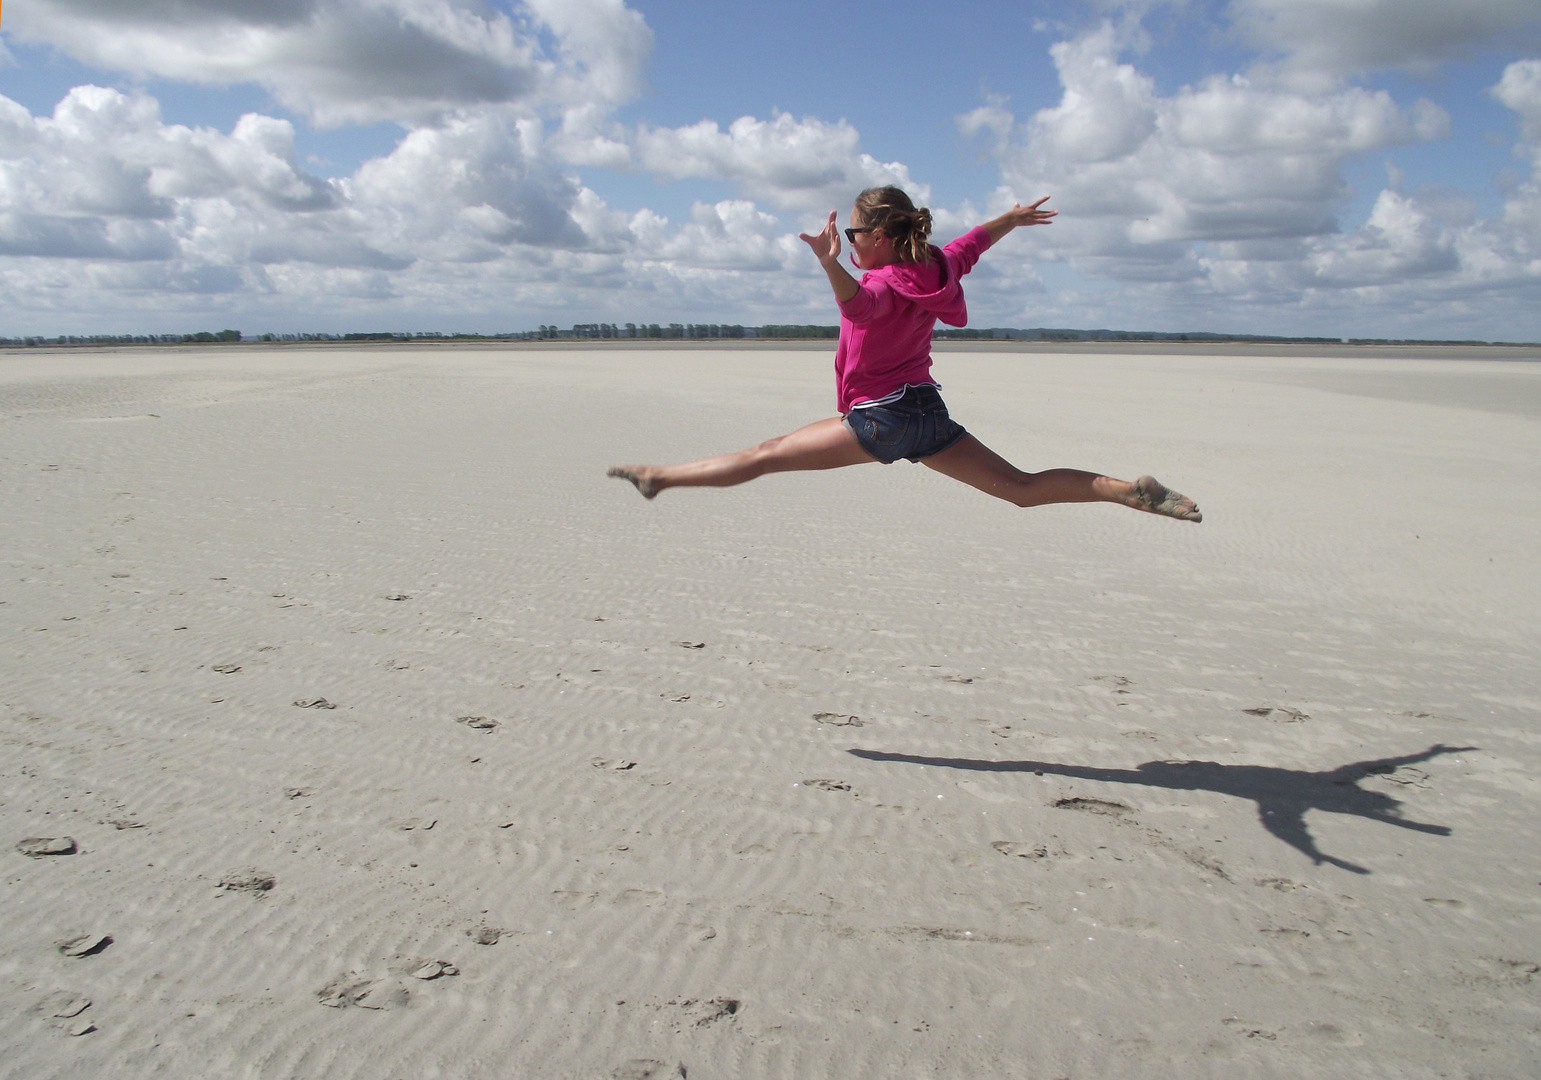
point(889, 406)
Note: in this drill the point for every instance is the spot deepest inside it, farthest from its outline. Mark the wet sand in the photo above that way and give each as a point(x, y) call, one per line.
point(394, 739)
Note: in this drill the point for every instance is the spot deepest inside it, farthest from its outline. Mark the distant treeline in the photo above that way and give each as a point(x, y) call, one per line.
point(1049, 334)
point(203, 336)
point(999, 333)
point(642, 331)
point(712, 332)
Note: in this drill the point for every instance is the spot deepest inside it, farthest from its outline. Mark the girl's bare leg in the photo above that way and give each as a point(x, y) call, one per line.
point(826, 444)
point(976, 464)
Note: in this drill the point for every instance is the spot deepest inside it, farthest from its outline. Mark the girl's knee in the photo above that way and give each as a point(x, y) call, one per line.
point(766, 452)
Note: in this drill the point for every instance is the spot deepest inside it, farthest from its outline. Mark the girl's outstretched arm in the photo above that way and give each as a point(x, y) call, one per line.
point(1017, 215)
point(826, 248)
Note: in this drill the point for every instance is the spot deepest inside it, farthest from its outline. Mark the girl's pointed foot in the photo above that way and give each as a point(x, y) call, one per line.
point(636, 474)
point(1153, 496)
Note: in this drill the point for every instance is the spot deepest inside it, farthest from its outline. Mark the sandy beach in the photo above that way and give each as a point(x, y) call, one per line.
point(378, 734)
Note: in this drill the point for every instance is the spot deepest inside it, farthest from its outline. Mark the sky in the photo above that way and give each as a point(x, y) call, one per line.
point(1339, 168)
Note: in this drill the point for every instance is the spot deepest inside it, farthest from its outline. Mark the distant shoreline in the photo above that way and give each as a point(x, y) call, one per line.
point(1524, 352)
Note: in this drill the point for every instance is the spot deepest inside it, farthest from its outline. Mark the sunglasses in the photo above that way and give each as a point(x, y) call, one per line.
point(850, 234)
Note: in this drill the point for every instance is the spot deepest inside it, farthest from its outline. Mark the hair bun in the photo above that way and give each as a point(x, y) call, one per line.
point(890, 209)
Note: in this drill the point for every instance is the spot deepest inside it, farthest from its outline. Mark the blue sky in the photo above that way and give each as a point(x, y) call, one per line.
point(1310, 167)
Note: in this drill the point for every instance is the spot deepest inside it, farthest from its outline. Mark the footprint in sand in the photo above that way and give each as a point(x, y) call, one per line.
point(314, 703)
point(298, 792)
point(418, 824)
point(647, 1069)
point(398, 597)
point(1279, 714)
point(835, 719)
point(828, 785)
point(1093, 806)
point(353, 990)
point(63, 1009)
point(692, 1012)
point(573, 899)
point(433, 969)
point(1279, 883)
point(1513, 972)
point(84, 944)
point(1405, 775)
point(485, 935)
point(390, 990)
point(691, 644)
point(1021, 850)
point(1434, 716)
point(63, 1004)
point(1117, 681)
point(478, 723)
point(257, 882)
point(226, 669)
point(613, 764)
point(37, 847)
point(709, 1012)
point(1322, 1031)
point(1248, 1029)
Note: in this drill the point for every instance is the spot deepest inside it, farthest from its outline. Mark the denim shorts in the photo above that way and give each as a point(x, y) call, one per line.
point(915, 426)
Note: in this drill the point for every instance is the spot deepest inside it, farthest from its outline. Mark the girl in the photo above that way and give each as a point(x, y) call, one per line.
point(889, 405)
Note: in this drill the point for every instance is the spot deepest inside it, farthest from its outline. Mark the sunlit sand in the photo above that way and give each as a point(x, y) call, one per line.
point(391, 738)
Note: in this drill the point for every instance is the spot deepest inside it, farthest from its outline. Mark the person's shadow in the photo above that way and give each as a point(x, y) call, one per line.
point(1282, 795)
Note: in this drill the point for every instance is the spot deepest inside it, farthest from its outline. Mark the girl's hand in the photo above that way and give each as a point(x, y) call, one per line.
point(826, 244)
point(1020, 215)
point(1031, 215)
point(826, 248)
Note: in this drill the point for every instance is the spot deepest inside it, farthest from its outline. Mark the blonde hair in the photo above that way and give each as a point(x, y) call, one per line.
point(890, 211)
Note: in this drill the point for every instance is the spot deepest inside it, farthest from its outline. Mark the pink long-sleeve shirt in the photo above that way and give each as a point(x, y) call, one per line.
point(885, 329)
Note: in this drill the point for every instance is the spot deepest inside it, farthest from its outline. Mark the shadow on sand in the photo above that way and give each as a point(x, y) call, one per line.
point(1282, 795)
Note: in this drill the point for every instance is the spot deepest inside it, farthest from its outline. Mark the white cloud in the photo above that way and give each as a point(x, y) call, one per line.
point(1224, 198)
point(103, 178)
point(475, 208)
point(1223, 160)
point(464, 191)
point(1140, 178)
point(1220, 200)
point(1108, 109)
point(107, 213)
point(360, 61)
point(732, 234)
point(588, 136)
point(1399, 241)
point(1338, 37)
point(807, 165)
point(604, 45)
point(992, 116)
point(1520, 89)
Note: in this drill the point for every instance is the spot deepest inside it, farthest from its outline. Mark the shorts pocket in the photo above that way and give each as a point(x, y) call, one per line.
point(885, 427)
